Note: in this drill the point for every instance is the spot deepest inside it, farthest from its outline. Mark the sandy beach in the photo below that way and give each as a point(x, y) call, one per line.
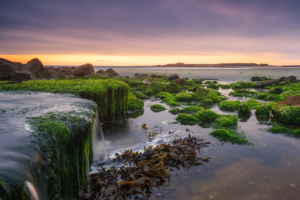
point(220, 74)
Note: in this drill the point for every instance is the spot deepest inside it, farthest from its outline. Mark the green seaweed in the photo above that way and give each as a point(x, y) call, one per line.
point(163, 95)
point(173, 103)
point(229, 105)
point(157, 107)
point(229, 136)
point(206, 115)
point(184, 96)
point(226, 121)
point(191, 109)
point(244, 108)
point(287, 114)
point(187, 119)
point(263, 111)
point(174, 111)
point(135, 104)
point(202, 94)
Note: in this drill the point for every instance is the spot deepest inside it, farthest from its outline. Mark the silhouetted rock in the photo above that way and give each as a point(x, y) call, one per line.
point(83, 70)
point(263, 84)
point(22, 76)
point(102, 73)
point(44, 74)
point(173, 77)
point(137, 75)
point(7, 70)
point(34, 66)
point(180, 81)
point(112, 73)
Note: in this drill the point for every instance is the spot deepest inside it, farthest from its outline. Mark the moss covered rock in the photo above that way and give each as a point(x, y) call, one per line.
point(244, 109)
point(139, 95)
point(213, 86)
point(135, 104)
point(229, 105)
point(157, 107)
point(263, 111)
point(287, 114)
point(203, 94)
point(206, 115)
point(173, 103)
point(188, 119)
point(191, 109)
point(175, 111)
point(229, 136)
point(184, 96)
point(163, 95)
point(276, 90)
point(226, 121)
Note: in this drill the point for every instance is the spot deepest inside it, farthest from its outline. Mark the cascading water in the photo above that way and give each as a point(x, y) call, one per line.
point(99, 144)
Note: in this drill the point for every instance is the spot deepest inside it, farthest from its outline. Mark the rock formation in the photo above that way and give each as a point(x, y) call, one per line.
point(83, 70)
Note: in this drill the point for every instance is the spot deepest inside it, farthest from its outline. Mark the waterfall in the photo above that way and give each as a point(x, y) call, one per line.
point(99, 145)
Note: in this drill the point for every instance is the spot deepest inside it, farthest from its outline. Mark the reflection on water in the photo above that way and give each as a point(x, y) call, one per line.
point(269, 169)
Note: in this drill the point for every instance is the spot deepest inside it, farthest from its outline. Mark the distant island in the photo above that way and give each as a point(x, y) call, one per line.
point(179, 64)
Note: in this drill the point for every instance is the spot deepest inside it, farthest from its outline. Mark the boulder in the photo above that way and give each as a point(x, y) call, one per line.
point(173, 77)
point(23, 76)
point(263, 84)
point(282, 79)
point(293, 79)
point(34, 66)
point(137, 75)
point(154, 76)
point(102, 73)
point(44, 74)
point(67, 71)
point(291, 101)
point(112, 73)
point(7, 70)
point(256, 78)
point(275, 90)
point(180, 81)
point(83, 70)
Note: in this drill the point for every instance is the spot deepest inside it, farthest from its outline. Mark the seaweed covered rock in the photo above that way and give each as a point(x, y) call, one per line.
point(191, 109)
point(203, 94)
point(173, 77)
point(187, 119)
point(263, 111)
point(157, 107)
point(253, 103)
point(244, 109)
point(163, 95)
point(206, 115)
point(174, 111)
point(292, 79)
point(264, 84)
point(137, 75)
point(184, 96)
point(180, 81)
point(82, 70)
point(277, 90)
point(162, 87)
point(287, 114)
point(242, 93)
point(229, 105)
point(135, 104)
point(226, 121)
point(140, 95)
point(213, 86)
point(229, 136)
point(112, 73)
point(173, 103)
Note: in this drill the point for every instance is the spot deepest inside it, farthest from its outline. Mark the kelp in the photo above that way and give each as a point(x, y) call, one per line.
point(142, 172)
point(65, 141)
point(287, 114)
point(110, 95)
point(229, 136)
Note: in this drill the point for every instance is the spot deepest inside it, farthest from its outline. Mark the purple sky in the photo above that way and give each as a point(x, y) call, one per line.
point(268, 29)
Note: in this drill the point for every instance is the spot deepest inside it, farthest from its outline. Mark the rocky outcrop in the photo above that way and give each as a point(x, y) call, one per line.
point(102, 73)
point(263, 84)
point(292, 79)
point(291, 101)
point(137, 75)
point(180, 81)
point(154, 76)
point(20, 76)
point(34, 66)
point(112, 73)
point(83, 70)
point(173, 77)
point(7, 70)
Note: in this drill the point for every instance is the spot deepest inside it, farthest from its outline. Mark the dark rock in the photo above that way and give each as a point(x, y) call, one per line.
point(293, 79)
point(44, 74)
point(180, 81)
point(291, 101)
point(102, 73)
point(112, 73)
point(7, 70)
point(173, 77)
point(154, 76)
point(34, 66)
point(282, 79)
point(275, 90)
point(66, 71)
point(256, 78)
point(263, 84)
point(23, 76)
point(137, 75)
point(83, 70)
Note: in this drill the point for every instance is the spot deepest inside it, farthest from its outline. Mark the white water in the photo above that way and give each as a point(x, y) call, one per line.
point(99, 144)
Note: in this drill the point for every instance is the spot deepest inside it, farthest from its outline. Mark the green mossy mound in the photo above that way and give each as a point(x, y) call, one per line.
point(244, 109)
point(187, 119)
point(206, 115)
point(263, 111)
point(163, 95)
point(229, 136)
point(65, 141)
point(229, 105)
point(173, 103)
point(253, 103)
point(142, 87)
point(157, 107)
point(203, 94)
point(226, 121)
point(275, 90)
point(162, 87)
point(213, 86)
point(243, 93)
point(174, 111)
point(224, 86)
point(135, 104)
point(287, 114)
point(166, 100)
point(110, 95)
point(281, 129)
point(242, 84)
point(191, 109)
point(139, 95)
point(184, 96)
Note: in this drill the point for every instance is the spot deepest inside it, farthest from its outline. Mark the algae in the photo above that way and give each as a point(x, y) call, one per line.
point(157, 107)
point(263, 111)
point(163, 95)
point(203, 94)
point(229, 105)
point(226, 121)
point(244, 109)
point(184, 96)
point(191, 109)
point(206, 115)
point(174, 111)
point(187, 119)
point(287, 114)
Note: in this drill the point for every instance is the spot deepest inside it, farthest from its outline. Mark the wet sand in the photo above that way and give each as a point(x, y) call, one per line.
point(233, 74)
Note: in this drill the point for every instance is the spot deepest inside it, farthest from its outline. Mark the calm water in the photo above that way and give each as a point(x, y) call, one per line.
point(269, 169)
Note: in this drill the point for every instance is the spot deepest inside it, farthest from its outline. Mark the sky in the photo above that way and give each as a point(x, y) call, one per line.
point(150, 32)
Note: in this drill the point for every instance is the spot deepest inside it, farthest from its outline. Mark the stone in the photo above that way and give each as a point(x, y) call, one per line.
point(173, 77)
point(23, 76)
point(263, 84)
point(291, 101)
point(180, 81)
point(7, 70)
point(34, 66)
point(112, 73)
point(293, 79)
point(275, 90)
point(102, 73)
point(154, 76)
point(137, 75)
point(44, 74)
point(66, 71)
point(256, 78)
point(86, 69)
point(282, 79)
